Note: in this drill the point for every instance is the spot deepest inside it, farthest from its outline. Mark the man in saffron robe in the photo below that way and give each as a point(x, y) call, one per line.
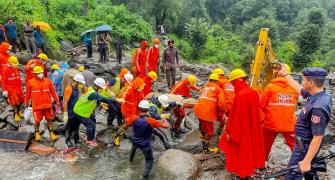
point(242, 141)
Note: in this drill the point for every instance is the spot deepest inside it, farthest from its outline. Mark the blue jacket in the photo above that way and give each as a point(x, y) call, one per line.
point(38, 37)
point(88, 40)
point(56, 78)
point(11, 31)
point(153, 111)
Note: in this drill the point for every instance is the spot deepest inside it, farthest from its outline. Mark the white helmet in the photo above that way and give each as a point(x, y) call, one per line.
point(164, 100)
point(144, 104)
point(129, 77)
point(100, 82)
point(79, 78)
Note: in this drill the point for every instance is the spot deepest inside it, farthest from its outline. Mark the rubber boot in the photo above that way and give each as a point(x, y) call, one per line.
point(205, 146)
point(37, 134)
point(53, 136)
point(16, 115)
point(58, 109)
point(20, 111)
point(117, 137)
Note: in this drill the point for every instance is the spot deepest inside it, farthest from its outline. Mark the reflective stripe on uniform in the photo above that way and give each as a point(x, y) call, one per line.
point(281, 104)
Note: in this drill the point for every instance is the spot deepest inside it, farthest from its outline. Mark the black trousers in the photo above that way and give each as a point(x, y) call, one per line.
point(148, 156)
point(114, 111)
point(89, 51)
point(72, 132)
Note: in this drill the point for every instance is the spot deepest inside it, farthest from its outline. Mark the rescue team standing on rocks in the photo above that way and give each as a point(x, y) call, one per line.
point(246, 138)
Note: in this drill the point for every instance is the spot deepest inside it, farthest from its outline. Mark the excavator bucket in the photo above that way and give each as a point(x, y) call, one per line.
point(261, 71)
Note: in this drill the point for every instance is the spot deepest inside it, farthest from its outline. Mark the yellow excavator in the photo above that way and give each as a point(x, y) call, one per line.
point(261, 68)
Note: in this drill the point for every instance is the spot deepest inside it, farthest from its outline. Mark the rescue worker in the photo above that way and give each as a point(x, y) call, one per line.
point(148, 80)
point(171, 62)
point(278, 102)
point(139, 62)
point(212, 98)
point(242, 140)
point(141, 136)
point(40, 61)
point(40, 92)
point(85, 106)
point(312, 120)
point(56, 79)
point(68, 75)
point(132, 97)
point(71, 95)
point(182, 88)
point(4, 55)
point(117, 86)
point(229, 95)
point(12, 86)
point(153, 56)
point(157, 106)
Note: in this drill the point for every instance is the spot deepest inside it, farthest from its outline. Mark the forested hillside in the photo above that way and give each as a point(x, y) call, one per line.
point(302, 31)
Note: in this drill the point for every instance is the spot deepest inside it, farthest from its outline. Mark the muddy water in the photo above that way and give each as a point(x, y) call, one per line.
point(109, 165)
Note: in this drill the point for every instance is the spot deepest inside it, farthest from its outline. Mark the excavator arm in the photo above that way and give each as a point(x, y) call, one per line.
point(261, 71)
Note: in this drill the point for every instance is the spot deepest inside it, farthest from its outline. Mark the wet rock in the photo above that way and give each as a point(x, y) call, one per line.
point(177, 164)
point(23, 57)
point(105, 136)
point(60, 143)
point(66, 44)
point(27, 128)
point(217, 174)
point(192, 142)
point(212, 164)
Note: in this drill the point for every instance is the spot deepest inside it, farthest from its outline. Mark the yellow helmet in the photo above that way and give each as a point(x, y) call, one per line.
point(13, 61)
point(38, 69)
point(55, 67)
point(214, 76)
point(81, 68)
point(156, 41)
point(43, 56)
point(218, 71)
point(152, 75)
point(288, 69)
point(192, 80)
point(237, 73)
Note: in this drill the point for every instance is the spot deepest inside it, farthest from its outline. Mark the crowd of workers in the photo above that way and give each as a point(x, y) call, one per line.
point(247, 135)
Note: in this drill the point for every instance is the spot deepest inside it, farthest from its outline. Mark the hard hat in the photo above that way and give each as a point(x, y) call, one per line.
point(153, 75)
point(43, 56)
point(288, 69)
point(237, 73)
point(129, 77)
point(218, 71)
point(156, 41)
point(38, 69)
point(79, 78)
point(164, 100)
point(214, 76)
point(123, 71)
point(55, 67)
point(100, 82)
point(13, 61)
point(7, 45)
point(192, 80)
point(81, 68)
point(144, 104)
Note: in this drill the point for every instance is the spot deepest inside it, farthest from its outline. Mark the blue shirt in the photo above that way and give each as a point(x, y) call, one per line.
point(2, 36)
point(314, 116)
point(72, 101)
point(38, 37)
point(56, 78)
point(11, 31)
point(88, 40)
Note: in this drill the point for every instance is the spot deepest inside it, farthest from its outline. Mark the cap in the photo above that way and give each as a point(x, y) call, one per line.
point(314, 72)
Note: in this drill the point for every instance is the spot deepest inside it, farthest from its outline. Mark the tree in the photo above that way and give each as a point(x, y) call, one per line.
point(197, 34)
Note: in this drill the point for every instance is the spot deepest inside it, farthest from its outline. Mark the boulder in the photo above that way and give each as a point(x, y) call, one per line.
point(60, 143)
point(177, 164)
point(66, 45)
point(192, 142)
point(217, 174)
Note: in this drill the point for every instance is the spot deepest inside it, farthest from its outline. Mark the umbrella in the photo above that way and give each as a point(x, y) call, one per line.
point(92, 31)
point(103, 28)
point(43, 25)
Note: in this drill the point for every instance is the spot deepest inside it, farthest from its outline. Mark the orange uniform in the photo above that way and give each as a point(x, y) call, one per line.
point(41, 92)
point(28, 69)
point(3, 56)
point(228, 90)
point(11, 83)
point(132, 97)
point(140, 62)
point(181, 88)
point(153, 56)
point(147, 87)
point(278, 102)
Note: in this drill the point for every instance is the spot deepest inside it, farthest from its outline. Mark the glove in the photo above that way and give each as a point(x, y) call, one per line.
point(66, 117)
point(110, 94)
point(5, 93)
point(166, 116)
point(120, 100)
point(104, 105)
